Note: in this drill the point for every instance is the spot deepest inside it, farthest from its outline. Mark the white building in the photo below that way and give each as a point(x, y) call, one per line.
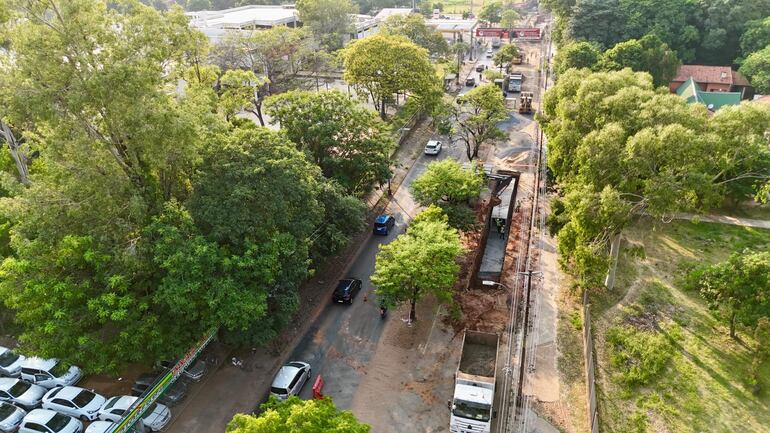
point(245, 18)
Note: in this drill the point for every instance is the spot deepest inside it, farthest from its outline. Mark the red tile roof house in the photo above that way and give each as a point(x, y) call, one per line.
point(713, 79)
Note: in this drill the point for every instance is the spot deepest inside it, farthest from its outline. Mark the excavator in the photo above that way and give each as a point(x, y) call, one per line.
point(525, 103)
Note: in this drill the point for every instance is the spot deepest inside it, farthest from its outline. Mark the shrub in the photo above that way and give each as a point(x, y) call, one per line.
point(639, 355)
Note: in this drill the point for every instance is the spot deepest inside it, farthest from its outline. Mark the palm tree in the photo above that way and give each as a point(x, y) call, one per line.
point(459, 49)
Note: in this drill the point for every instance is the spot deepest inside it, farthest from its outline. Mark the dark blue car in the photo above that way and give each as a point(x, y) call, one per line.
point(383, 224)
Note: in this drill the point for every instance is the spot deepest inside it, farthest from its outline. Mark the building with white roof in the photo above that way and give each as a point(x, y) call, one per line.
point(244, 18)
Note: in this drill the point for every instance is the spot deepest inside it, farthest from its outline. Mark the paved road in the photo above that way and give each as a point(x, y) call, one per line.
point(340, 345)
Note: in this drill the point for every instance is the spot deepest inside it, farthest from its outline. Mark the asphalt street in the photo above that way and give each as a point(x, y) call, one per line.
point(341, 343)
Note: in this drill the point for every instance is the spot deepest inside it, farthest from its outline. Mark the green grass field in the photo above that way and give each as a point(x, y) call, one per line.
point(664, 362)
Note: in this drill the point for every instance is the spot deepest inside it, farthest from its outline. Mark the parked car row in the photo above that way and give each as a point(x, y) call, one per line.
point(38, 396)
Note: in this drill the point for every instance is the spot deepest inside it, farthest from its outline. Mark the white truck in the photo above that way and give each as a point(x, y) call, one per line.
point(471, 407)
point(514, 82)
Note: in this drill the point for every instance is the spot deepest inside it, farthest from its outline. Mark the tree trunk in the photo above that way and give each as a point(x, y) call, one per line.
point(413, 311)
point(19, 156)
point(383, 116)
point(732, 325)
point(257, 111)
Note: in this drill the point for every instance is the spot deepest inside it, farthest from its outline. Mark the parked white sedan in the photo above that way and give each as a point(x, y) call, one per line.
point(156, 418)
point(10, 417)
point(10, 362)
point(290, 379)
point(74, 401)
point(48, 421)
point(21, 392)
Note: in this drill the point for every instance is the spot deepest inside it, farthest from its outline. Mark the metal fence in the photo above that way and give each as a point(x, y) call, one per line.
point(588, 356)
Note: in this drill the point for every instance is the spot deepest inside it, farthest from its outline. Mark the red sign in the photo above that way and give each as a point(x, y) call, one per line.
point(490, 32)
point(525, 33)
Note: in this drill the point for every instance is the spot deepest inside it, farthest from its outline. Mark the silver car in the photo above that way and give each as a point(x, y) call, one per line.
point(290, 379)
point(10, 362)
point(48, 421)
point(74, 401)
point(21, 392)
point(156, 418)
point(10, 417)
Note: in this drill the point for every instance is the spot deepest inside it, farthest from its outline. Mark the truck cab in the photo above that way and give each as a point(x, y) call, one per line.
point(475, 380)
point(471, 409)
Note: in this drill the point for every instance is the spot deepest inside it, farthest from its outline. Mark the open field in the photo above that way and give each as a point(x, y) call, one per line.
point(664, 362)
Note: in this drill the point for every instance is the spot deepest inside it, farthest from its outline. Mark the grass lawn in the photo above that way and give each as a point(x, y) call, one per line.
point(664, 362)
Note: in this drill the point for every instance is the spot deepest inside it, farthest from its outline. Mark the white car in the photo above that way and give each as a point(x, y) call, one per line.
point(433, 147)
point(74, 401)
point(290, 379)
point(21, 392)
point(48, 421)
point(489, 53)
point(10, 417)
point(99, 427)
point(49, 373)
point(10, 362)
point(156, 418)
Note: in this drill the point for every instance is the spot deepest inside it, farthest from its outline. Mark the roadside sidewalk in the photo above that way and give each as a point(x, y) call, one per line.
point(725, 219)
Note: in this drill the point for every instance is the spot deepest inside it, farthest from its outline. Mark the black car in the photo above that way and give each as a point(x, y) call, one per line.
point(171, 396)
point(480, 68)
point(194, 371)
point(346, 290)
point(470, 82)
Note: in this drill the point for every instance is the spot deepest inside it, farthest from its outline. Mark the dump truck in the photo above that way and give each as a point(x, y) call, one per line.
point(475, 380)
point(525, 103)
point(514, 82)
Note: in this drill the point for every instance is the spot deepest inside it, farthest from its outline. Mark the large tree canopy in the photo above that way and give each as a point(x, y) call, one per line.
point(619, 147)
point(329, 20)
point(350, 143)
point(153, 214)
point(413, 27)
point(381, 66)
point(418, 263)
point(297, 416)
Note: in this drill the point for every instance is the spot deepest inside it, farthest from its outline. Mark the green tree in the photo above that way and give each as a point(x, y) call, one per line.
point(508, 18)
point(505, 55)
point(235, 206)
point(622, 147)
point(418, 263)
point(477, 116)
point(381, 66)
point(114, 145)
point(756, 68)
point(576, 55)
point(297, 416)
point(447, 185)
point(756, 36)
point(275, 55)
point(413, 27)
point(329, 20)
point(739, 288)
point(239, 90)
point(648, 54)
point(459, 49)
point(350, 143)
point(492, 11)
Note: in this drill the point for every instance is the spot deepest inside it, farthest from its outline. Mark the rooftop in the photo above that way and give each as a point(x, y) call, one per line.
point(712, 100)
point(243, 17)
point(387, 12)
point(710, 74)
point(450, 25)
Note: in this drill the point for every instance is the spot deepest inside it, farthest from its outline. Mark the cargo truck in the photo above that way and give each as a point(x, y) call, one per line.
point(471, 407)
point(514, 82)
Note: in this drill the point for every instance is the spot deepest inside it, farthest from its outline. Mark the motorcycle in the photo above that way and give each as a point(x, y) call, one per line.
point(383, 311)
